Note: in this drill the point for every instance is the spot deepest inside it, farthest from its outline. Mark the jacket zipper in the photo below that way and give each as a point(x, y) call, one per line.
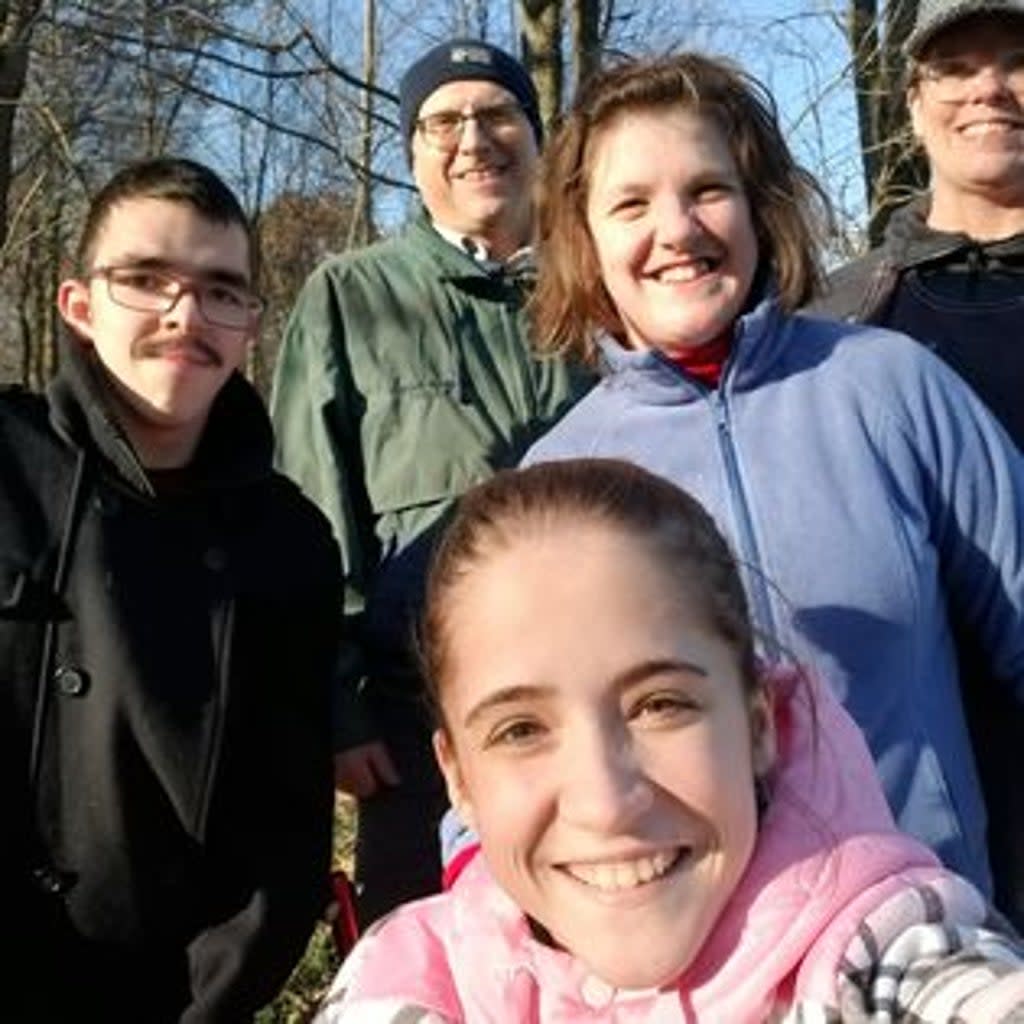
point(751, 567)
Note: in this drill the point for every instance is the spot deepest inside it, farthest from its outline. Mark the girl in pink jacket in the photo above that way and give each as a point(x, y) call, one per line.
point(667, 833)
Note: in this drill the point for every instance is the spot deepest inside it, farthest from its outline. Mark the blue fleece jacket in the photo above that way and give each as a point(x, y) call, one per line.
point(867, 495)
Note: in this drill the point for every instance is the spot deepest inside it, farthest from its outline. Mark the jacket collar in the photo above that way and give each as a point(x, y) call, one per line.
point(455, 263)
point(911, 242)
point(236, 446)
point(450, 259)
point(758, 337)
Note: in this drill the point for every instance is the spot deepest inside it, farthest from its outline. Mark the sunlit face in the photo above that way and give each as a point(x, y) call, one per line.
point(165, 368)
point(967, 108)
point(601, 745)
point(481, 187)
point(671, 228)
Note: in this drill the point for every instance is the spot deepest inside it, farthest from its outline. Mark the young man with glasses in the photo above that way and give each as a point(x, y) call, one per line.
point(168, 629)
point(405, 377)
point(950, 273)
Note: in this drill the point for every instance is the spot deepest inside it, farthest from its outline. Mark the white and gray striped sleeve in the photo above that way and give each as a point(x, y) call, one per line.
point(932, 955)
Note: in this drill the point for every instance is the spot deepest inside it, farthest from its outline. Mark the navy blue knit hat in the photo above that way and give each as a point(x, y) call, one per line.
point(460, 60)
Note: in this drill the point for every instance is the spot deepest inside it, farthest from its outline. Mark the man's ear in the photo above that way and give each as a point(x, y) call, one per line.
point(449, 764)
point(763, 737)
point(74, 302)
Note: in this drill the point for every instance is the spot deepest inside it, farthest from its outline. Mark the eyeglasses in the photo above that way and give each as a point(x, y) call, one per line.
point(949, 77)
point(443, 129)
point(147, 290)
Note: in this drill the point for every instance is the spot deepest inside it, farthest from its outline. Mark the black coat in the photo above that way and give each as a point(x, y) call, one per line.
point(164, 684)
point(969, 310)
point(962, 298)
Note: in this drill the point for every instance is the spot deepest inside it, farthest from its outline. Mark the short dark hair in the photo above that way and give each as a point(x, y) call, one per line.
point(789, 209)
point(165, 177)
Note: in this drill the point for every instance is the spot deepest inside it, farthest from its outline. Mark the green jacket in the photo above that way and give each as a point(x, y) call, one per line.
point(403, 379)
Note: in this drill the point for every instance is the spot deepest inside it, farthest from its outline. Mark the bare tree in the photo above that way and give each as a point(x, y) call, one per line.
point(893, 169)
point(362, 222)
point(104, 82)
point(17, 23)
point(541, 22)
point(586, 19)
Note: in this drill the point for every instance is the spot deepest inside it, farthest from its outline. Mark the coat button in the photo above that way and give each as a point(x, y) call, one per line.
point(71, 681)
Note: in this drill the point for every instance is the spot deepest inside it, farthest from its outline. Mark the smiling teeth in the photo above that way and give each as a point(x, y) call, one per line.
point(685, 272)
point(624, 874)
point(985, 127)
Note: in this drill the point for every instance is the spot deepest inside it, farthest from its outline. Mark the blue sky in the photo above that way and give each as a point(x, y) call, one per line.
point(802, 56)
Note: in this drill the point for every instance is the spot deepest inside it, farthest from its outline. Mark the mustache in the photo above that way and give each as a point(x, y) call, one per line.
point(193, 348)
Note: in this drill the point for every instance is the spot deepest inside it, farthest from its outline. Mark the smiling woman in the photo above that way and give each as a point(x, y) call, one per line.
point(609, 771)
point(966, 102)
point(675, 240)
point(835, 458)
point(631, 772)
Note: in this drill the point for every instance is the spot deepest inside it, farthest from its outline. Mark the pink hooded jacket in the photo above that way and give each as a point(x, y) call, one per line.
point(833, 906)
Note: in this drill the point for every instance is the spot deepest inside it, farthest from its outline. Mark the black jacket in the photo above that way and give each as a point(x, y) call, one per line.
point(164, 665)
point(964, 300)
point(961, 298)
point(863, 290)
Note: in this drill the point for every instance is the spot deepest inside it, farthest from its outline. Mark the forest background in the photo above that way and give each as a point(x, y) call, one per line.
point(294, 103)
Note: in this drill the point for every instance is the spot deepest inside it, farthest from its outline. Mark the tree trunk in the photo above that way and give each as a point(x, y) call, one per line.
point(586, 40)
point(541, 22)
point(15, 34)
point(893, 167)
point(363, 223)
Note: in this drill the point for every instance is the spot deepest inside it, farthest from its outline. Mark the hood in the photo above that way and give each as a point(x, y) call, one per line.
point(236, 446)
point(826, 838)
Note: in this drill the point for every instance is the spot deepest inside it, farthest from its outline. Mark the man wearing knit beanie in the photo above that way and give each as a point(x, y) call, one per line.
point(404, 378)
point(465, 60)
point(950, 272)
point(469, 119)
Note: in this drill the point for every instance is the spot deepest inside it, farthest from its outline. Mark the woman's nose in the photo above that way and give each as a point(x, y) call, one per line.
point(604, 788)
point(678, 223)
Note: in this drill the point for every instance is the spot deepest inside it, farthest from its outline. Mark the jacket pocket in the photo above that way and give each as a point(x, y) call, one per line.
point(23, 595)
point(422, 447)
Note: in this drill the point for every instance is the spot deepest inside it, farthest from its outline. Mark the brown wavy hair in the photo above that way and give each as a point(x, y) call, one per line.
point(789, 209)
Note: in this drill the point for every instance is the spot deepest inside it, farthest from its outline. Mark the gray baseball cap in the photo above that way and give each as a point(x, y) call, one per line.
point(935, 16)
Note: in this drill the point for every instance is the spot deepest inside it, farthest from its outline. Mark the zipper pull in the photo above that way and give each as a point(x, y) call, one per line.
point(721, 412)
